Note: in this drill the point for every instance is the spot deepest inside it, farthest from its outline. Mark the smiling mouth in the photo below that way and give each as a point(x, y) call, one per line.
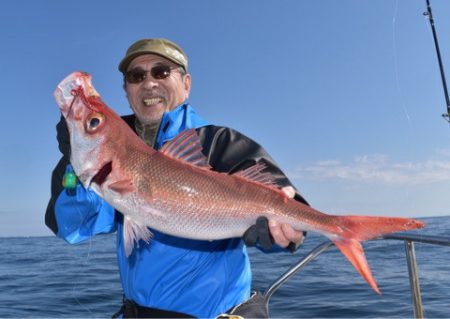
point(152, 101)
point(102, 174)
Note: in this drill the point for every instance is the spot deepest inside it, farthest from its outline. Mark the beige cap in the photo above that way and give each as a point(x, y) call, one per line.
point(163, 47)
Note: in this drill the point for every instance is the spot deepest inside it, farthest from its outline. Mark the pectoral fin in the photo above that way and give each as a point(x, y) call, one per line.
point(122, 186)
point(133, 232)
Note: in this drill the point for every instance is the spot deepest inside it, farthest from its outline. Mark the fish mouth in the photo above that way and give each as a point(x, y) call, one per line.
point(102, 174)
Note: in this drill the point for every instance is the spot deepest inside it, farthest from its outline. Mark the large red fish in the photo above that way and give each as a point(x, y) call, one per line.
point(175, 191)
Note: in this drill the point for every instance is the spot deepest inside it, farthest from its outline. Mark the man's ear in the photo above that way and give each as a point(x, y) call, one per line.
point(187, 81)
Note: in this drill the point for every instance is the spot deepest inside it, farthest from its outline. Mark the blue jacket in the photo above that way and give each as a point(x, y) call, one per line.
point(200, 278)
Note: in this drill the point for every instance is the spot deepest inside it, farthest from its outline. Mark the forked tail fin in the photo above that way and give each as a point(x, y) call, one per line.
point(353, 229)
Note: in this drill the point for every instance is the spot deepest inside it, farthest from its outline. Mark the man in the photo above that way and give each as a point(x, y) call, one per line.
point(171, 277)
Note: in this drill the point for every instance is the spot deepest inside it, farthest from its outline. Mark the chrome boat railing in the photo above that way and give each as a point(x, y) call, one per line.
point(409, 240)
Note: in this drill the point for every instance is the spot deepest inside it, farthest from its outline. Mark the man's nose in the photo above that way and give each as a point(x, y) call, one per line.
point(150, 82)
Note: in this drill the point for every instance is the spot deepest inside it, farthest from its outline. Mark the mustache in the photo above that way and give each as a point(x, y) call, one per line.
point(153, 94)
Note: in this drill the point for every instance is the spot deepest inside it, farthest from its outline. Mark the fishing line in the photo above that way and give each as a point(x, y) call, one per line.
point(397, 78)
point(79, 93)
point(401, 96)
point(84, 263)
point(76, 94)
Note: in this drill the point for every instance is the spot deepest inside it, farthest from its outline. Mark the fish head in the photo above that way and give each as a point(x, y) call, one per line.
point(93, 128)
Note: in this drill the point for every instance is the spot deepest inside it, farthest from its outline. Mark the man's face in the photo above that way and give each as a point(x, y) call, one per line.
point(151, 97)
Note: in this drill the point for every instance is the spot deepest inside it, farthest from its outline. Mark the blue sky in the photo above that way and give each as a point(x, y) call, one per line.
point(345, 95)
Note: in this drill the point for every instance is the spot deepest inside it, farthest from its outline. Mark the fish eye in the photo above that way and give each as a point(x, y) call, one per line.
point(94, 122)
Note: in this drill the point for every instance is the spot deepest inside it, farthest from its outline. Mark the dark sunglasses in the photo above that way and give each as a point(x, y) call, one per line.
point(158, 72)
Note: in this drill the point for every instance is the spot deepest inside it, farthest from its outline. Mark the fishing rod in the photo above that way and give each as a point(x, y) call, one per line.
point(429, 14)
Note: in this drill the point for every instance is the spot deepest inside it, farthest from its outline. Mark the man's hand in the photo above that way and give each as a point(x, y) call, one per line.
point(269, 232)
point(283, 234)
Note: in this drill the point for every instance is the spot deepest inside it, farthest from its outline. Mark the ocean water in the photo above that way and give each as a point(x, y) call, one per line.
point(45, 277)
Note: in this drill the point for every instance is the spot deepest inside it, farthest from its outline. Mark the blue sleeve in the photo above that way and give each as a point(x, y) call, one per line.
point(81, 213)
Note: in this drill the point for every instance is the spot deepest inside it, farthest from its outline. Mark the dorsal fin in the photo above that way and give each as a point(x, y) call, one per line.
point(255, 174)
point(186, 147)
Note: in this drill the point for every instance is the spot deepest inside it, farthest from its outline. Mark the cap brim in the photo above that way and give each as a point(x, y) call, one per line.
point(123, 65)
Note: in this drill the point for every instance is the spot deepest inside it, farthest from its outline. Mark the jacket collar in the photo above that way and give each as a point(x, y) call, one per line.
point(181, 118)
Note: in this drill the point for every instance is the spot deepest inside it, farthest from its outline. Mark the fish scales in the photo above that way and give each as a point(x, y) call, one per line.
point(215, 206)
point(199, 196)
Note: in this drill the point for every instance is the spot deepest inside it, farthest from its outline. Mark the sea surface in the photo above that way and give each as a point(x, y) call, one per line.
point(45, 277)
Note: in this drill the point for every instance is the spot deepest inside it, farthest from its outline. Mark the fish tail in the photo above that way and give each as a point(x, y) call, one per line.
point(353, 250)
point(354, 229)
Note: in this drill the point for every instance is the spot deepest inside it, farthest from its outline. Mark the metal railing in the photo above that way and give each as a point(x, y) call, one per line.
point(409, 240)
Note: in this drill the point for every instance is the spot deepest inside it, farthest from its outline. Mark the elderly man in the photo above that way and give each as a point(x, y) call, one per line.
point(172, 277)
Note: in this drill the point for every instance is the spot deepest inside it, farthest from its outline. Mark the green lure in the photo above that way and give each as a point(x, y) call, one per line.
point(69, 179)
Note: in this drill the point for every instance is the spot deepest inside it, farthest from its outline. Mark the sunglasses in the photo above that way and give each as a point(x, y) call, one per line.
point(158, 72)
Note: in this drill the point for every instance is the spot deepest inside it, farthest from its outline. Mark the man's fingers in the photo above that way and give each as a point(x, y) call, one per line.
point(289, 191)
point(267, 232)
point(292, 235)
point(277, 234)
